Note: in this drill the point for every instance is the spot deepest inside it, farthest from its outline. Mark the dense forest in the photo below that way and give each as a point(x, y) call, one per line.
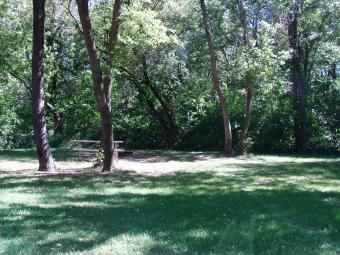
point(239, 76)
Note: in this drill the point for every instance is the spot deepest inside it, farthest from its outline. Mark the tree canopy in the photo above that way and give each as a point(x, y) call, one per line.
point(277, 67)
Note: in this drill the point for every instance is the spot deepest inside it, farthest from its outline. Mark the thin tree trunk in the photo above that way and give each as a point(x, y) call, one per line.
point(300, 119)
point(153, 107)
point(57, 116)
point(216, 84)
point(243, 19)
point(166, 107)
point(46, 162)
point(107, 128)
point(247, 120)
point(332, 72)
point(248, 88)
point(102, 83)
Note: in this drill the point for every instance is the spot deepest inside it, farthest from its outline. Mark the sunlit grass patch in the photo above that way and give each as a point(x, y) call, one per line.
point(206, 205)
point(130, 244)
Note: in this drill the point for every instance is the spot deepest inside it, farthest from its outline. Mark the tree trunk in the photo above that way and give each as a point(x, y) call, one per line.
point(57, 116)
point(243, 19)
point(216, 84)
point(153, 107)
point(247, 120)
point(173, 132)
point(300, 118)
point(46, 162)
point(248, 88)
point(332, 72)
point(102, 84)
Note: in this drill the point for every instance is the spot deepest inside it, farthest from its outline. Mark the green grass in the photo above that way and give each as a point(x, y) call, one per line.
point(29, 155)
point(274, 205)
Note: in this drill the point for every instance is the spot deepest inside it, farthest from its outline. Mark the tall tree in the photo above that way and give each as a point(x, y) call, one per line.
point(101, 74)
point(216, 83)
point(298, 89)
point(248, 83)
point(46, 162)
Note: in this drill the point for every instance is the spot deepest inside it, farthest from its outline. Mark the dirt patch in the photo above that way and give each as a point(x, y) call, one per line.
point(149, 163)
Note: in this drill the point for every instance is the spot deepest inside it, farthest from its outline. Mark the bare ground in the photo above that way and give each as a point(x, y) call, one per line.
point(151, 163)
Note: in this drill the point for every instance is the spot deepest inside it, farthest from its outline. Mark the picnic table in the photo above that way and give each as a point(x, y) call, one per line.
point(90, 148)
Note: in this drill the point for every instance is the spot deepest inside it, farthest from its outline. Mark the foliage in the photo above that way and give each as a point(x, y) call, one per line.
point(169, 38)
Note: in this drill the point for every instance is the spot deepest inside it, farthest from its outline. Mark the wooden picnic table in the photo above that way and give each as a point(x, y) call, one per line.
point(90, 148)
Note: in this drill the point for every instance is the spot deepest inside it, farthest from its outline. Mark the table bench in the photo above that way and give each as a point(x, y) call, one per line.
point(90, 148)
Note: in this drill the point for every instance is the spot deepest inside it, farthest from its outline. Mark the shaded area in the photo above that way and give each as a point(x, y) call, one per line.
point(25, 155)
point(254, 209)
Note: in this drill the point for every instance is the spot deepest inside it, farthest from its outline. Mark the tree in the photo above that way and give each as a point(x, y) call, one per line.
point(162, 90)
point(310, 25)
point(299, 90)
point(249, 88)
point(101, 74)
point(46, 162)
point(216, 83)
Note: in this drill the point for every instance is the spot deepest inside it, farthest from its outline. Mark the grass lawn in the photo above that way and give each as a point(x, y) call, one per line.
point(171, 203)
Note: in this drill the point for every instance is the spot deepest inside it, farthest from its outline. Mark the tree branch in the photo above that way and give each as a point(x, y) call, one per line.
point(114, 26)
point(74, 18)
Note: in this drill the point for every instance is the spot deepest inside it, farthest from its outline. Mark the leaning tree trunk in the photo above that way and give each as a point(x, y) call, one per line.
point(248, 88)
point(46, 162)
point(216, 84)
point(173, 132)
point(300, 118)
point(148, 99)
point(247, 120)
point(102, 82)
point(100, 91)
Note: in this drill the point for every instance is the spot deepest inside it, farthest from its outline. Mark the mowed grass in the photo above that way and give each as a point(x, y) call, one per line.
point(259, 205)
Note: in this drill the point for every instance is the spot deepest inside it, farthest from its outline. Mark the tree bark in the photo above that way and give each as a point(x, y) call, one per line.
point(247, 120)
point(216, 84)
point(46, 162)
point(102, 82)
point(332, 72)
point(173, 132)
point(57, 116)
point(248, 88)
point(153, 107)
point(300, 117)
point(243, 19)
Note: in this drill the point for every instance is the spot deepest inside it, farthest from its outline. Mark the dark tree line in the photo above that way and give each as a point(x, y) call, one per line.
point(273, 68)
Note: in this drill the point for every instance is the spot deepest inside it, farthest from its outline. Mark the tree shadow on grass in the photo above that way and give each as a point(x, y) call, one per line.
point(18, 155)
point(30, 155)
point(325, 169)
point(185, 213)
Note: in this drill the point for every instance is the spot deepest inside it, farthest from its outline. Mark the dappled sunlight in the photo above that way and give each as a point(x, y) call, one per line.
point(134, 243)
point(28, 167)
point(14, 197)
point(209, 206)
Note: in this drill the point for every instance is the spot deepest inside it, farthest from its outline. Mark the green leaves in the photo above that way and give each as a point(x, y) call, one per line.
point(169, 35)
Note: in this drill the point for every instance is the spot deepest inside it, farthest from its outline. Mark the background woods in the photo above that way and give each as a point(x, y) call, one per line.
point(146, 66)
